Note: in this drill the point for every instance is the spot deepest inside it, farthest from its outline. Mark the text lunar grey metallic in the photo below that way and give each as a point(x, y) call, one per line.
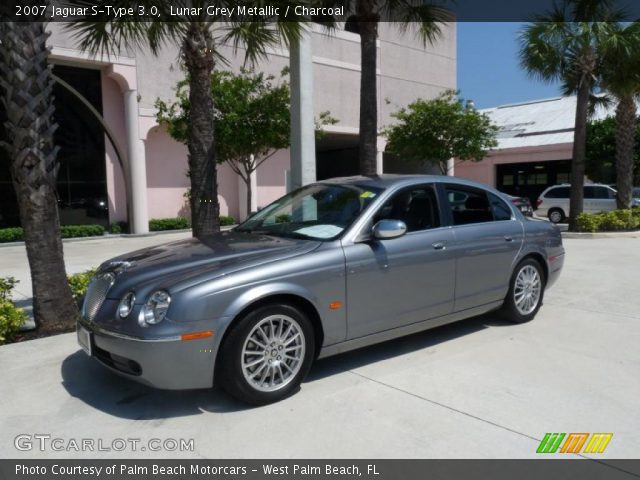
point(334, 266)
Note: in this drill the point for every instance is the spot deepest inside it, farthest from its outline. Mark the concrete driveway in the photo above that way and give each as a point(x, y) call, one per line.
point(477, 389)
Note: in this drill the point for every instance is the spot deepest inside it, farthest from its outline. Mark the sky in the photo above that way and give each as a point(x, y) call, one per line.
point(488, 68)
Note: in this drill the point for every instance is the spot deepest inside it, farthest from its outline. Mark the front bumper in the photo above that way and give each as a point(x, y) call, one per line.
point(168, 363)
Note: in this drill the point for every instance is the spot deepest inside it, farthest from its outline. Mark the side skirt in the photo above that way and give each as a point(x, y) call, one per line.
point(385, 335)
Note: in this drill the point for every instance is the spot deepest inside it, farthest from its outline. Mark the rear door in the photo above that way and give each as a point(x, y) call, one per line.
point(488, 237)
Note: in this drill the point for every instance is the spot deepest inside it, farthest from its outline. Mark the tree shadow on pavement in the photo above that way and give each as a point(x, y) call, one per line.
point(112, 394)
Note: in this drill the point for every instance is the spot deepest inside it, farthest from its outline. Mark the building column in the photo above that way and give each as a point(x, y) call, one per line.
point(381, 144)
point(139, 216)
point(303, 143)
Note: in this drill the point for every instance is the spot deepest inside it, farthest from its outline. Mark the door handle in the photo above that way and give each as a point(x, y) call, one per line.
point(438, 245)
point(507, 238)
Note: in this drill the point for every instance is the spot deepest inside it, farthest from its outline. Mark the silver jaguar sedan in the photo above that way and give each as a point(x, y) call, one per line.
point(333, 266)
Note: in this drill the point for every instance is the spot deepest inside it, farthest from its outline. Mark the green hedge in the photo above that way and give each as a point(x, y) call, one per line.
point(74, 231)
point(615, 220)
point(66, 231)
point(11, 234)
point(11, 317)
point(226, 220)
point(160, 224)
point(179, 223)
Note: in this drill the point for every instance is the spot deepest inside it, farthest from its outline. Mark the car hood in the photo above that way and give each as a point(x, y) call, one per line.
point(198, 260)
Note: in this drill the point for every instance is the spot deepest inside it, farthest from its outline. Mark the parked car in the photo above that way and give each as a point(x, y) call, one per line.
point(554, 201)
point(334, 266)
point(523, 204)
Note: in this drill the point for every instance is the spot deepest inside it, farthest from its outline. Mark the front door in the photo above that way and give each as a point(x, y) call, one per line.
point(396, 282)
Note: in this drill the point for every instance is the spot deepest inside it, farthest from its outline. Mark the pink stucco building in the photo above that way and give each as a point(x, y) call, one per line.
point(123, 88)
point(535, 146)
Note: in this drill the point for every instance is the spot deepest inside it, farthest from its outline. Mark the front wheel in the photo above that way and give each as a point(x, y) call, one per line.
point(526, 290)
point(267, 354)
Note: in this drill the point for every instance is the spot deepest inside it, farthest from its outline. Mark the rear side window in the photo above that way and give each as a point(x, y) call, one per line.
point(500, 209)
point(603, 193)
point(468, 205)
point(558, 192)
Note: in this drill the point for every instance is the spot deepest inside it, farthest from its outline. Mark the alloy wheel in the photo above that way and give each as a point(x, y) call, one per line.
point(273, 353)
point(527, 289)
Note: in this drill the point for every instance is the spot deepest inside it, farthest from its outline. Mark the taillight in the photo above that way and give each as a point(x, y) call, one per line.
point(515, 200)
point(538, 202)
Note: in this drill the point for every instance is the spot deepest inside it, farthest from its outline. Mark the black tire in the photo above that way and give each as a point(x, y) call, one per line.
point(556, 215)
point(230, 374)
point(509, 309)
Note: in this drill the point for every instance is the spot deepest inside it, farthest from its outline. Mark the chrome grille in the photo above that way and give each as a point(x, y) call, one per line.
point(96, 293)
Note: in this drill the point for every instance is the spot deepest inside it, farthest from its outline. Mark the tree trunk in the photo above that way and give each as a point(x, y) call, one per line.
point(625, 145)
point(197, 52)
point(247, 182)
point(579, 150)
point(26, 81)
point(368, 29)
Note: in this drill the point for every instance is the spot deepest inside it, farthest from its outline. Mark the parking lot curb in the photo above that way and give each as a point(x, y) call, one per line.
point(117, 235)
point(589, 235)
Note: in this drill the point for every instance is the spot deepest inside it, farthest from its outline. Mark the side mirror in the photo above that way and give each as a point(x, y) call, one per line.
point(388, 229)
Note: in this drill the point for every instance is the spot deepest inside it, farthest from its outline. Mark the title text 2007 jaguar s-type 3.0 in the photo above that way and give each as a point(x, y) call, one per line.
point(331, 267)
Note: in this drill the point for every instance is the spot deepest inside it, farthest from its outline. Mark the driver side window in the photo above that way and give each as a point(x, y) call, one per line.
point(416, 207)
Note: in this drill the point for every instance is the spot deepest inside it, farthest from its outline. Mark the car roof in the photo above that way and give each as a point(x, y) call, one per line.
point(387, 180)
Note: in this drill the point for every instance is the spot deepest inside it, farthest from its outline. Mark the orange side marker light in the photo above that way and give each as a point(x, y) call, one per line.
point(196, 335)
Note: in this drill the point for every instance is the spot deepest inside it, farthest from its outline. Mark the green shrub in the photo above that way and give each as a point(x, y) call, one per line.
point(612, 221)
point(11, 234)
point(66, 231)
point(160, 224)
point(119, 227)
point(79, 282)
point(7, 284)
point(75, 231)
point(283, 218)
point(587, 222)
point(226, 220)
point(11, 317)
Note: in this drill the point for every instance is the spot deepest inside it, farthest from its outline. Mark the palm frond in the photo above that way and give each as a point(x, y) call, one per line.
point(423, 18)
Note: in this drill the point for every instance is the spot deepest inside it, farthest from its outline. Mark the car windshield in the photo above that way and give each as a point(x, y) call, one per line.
point(318, 212)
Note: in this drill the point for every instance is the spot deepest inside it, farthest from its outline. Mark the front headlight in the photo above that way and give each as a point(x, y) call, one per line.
point(126, 305)
point(155, 309)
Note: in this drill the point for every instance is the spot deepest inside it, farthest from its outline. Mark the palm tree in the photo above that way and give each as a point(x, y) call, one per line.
point(26, 84)
point(621, 79)
point(416, 15)
point(569, 45)
point(199, 36)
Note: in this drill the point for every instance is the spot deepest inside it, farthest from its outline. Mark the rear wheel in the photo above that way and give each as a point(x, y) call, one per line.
point(526, 290)
point(267, 354)
point(556, 215)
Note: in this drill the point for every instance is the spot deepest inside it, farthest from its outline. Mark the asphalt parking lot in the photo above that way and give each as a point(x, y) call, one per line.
point(480, 388)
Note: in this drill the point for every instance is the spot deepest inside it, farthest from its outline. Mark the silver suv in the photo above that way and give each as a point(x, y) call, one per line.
point(554, 201)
